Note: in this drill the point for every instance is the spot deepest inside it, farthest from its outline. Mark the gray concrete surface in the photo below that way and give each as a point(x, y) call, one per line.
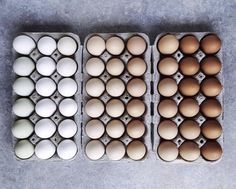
point(86, 16)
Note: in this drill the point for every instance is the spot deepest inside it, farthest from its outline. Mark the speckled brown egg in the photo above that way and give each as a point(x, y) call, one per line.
point(211, 65)
point(189, 44)
point(211, 87)
point(189, 151)
point(189, 107)
point(211, 151)
point(167, 108)
point(189, 86)
point(211, 44)
point(189, 129)
point(211, 108)
point(168, 66)
point(167, 87)
point(211, 129)
point(189, 66)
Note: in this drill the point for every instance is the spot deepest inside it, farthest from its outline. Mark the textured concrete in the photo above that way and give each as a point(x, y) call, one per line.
point(151, 17)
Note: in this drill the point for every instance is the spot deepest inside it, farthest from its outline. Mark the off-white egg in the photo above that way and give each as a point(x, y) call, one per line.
point(45, 107)
point(23, 107)
point(94, 108)
point(96, 45)
point(66, 67)
point(136, 45)
point(67, 46)
point(45, 128)
point(95, 67)
point(46, 66)
point(66, 149)
point(46, 45)
point(45, 86)
point(22, 128)
point(95, 87)
point(136, 150)
point(23, 86)
point(136, 66)
point(67, 128)
point(115, 66)
point(115, 150)
point(68, 107)
point(135, 108)
point(115, 128)
point(136, 87)
point(115, 87)
point(67, 87)
point(94, 129)
point(115, 108)
point(23, 66)
point(24, 149)
point(115, 45)
point(23, 44)
point(94, 149)
point(45, 149)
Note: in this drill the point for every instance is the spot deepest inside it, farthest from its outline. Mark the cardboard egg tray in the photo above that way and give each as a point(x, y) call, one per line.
point(200, 118)
point(125, 76)
point(56, 97)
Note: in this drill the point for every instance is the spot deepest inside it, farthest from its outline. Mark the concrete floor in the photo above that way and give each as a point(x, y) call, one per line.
point(87, 16)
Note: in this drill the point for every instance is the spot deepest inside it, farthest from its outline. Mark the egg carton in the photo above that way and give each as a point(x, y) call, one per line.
point(125, 118)
point(56, 97)
point(200, 118)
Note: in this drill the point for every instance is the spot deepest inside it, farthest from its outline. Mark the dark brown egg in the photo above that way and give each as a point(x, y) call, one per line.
point(211, 151)
point(189, 86)
point(211, 108)
point(211, 44)
point(189, 66)
point(189, 107)
point(189, 44)
point(211, 65)
point(211, 87)
point(211, 129)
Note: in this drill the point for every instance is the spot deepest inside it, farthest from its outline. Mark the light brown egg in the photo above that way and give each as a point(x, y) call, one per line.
point(189, 129)
point(115, 150)
point(189, 107)
point(136, 150)
point(95, 87)
point(168, 44)
point(211, 44)
point(211, 65)
point(211, 108)
point(189, 44)
point(135, 108)
point(167, 108)
point(135, 128)
point(136, 87)
point(168, 66)
point(115, 128)
point(96, 45)
point(94, 129)
point(115, 87)
point(189, 66)
point(167, 87)
point(115, 66)
point(211, 151)
point(136, 66)
point(115, 45)
point(167, 130)
point(95, 67)
point(94, 108)
point(136, 45)
point(189, 151)
point(189, 86)
point(115, 108)
point(211, 129)
point(168, 151)
point(211, 87)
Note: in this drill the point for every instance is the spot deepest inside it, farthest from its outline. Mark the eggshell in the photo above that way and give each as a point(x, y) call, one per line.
point(211, 108)
point(136, 66)
point(94, 108)
point(135, 129)
point(23, 86)
point(189, 107)
point(211, 44)
point(23, 66)
point(67, 46)
point(95, 45)
point(22, 128)
point(45, 149)
point(24, 149)
point(46, 45)
point(136, 150)
point(211, 87)
point(115, 108)
point(168, 151)
point(67, 128)
point(66, 149)
point(189, 86)
point(94, 129)
point(45, 66)
point(189, 44)
point(67, 87)
point(189, 66)
point(136, 87)
point(95, 87)
point(66, 67)
point(23, 107)
point(168, 44)
point(115, 87)
point(45, 107)
point(135, 108)
point(189, 151)
point(23, 44)
point(115, 66)
point(211, 129)
point(167, 87)
point(115, 128)
point(167, 108)
point(45, 128)
point(45, 86)
point(189, 129)
point(211, 151)
point(136, 45)
point(68, 107)
point(115, 45)
point(94, 149)
point(168, 66)
point(167, 129)
point(115, 150)
point(95, 67)
point(211, 65)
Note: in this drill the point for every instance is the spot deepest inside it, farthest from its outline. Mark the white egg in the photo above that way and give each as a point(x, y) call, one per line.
point(46, 66)
point(67, 87)
point(22, 128)
point(23, 107)
point(46, 45)
point(45, 128)
point(67, 46)
point(94, 108)
point(23, 44)
point(95, 67)
point(24, 149)
point(66, 149)
point(67, 128)
point(45, 107)
point(68, 107)
point(45, 149)
point(66, 67)
point(115, 150)
point(23, 66)
point(23, 86)
point(94, 129)
point(45, 86)
point(95, 87)
point(95, 149)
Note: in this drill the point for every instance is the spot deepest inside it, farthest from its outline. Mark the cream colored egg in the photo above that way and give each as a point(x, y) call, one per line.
point(136, 150)
point(66, 149)
point(167, 108)
point(95, 45)
point(24, 149)
point(45, 107)
point(23, 66)
point(115, 45)
point(167, 129)
point(45, 149)
point(136, 108)
point(23, 86)
point(23, 44)
point(95, 67)
point(23, 107)
point(115, 66)
point(94, 129)
point(67, 87)
point(168, 151)
point(46, 45)
point(95, 87)
point(168, 44)
point(135, 129)
point(115, 150)
point(189, 151)
point(94, 149)
point(22, 128)
point(136, 45)
point(68, 107)
point(94, 108)
point(168, 66)
point(115, 128)
point(167, 87)
point(67, 46)
point(136, 87)
point(115, 87)
point(136, 66)
point(115, 108)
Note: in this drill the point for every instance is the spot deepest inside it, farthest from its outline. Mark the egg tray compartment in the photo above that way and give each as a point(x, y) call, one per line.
point(200, 76)
point(125, 76)
point(56, 97)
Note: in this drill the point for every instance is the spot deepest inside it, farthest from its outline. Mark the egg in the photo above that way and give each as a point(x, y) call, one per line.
point(136, 87)
point(115, 150)
point(189, 107)
point(94, 108)
point(67, 87)
point(168, 44)
point(189, 44)
point(115, 66)
point(189, 66)
point(45, 86)
point(45, 128)
point(95, 45)
point(24, 149)
point(23, 66)
point(135, 108)
point(135, 129)
point(22, 128)
point(167, 87)
point(46, 45)
point(211, 65)
point(136, 150)
point(168, 66)
point(211, 151)
point(168, 151)
point(45, 66)
point(115, 128)
point(94, 149)
point(167, 108)
point(211, 108)
point(189, 129)
point(189, 86)
point(211, 129)
point(94, 129)
point(23, 86)
point(211, 44)
point(66, 149)
point(136, 45)
point(23, 44)
point(67, 46)
point(115, 87)
point(167, 129)
point(189, 151)
point(23, 107)
point(115, 45)
point(45, 107)
point(211, 87)
point(68, 107)
point(67, 128)
point(95, 67)
point(95, 87)
point(115, 108)
point(136, 66)
point(45, 149)
point(66, 67)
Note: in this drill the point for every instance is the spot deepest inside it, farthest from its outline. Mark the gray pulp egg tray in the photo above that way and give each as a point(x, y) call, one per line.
point(56, 97)
point(200, 118)
point(125, 98)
